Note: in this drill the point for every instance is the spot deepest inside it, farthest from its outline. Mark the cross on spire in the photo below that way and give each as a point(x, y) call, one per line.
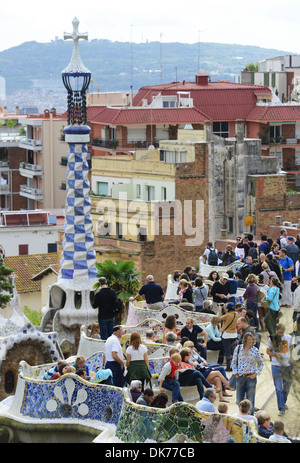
point(75, 62)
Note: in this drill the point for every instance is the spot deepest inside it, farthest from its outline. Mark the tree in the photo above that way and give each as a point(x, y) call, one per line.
point(121, 275)
point(6, 288)
point(252, 67)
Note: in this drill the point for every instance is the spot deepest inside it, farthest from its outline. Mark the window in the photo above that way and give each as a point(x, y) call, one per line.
point(165, 156)
point(150, 192)
point(52, 247)
point(182, 156)
point(142, 234)
point(138, 191)
point(23, 249)
point(164, 193)
point(275, 131)
point(169, 104)
point(297, 158)
point(102, 188)
point(221, 129)
point(119, 231)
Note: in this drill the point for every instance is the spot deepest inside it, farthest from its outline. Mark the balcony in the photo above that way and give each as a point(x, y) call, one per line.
point(280, 141)
point(4, 166)
point(4, 189)
point(31, 193)
point(30, 170)
point(29, 143)
point(119, 144)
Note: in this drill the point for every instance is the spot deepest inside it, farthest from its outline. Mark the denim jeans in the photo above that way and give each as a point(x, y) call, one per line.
point(106, 327)
point(253, 307)
point(175, 388)
point(246, 385)
point(282, 383)
point(228, 348)
point(193, 378)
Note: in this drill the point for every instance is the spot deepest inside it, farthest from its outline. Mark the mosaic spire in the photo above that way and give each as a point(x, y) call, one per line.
point(78, 256)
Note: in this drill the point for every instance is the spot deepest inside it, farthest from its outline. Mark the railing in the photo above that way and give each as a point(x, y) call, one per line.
point(122, 143)
point(30, 190)
point(279, 141)
point(35, 167)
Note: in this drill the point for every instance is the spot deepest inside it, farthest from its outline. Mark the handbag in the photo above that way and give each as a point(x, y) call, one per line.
point(266, 304)
point(232, 379)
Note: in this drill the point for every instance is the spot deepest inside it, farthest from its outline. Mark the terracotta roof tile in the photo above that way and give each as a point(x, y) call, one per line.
point(275, 113)
point(26, 267)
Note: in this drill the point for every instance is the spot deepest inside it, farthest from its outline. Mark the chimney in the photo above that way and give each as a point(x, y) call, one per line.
point(53, 110)
point(17, 110)
point(46, 114)
point(201, 79)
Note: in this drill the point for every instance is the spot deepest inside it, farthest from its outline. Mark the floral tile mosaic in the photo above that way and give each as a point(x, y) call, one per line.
point(70, 397)
point(139, 424)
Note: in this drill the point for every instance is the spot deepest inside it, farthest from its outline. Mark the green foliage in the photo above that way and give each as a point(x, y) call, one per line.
point(6, 288)
point(121, 275)
point(109, 62)
point(33, 316)
point(252, 67)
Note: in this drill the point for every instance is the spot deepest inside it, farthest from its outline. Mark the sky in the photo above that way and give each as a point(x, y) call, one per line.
point(264, 23)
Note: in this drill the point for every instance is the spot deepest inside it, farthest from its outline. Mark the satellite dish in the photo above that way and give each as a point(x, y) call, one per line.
point(248, 221)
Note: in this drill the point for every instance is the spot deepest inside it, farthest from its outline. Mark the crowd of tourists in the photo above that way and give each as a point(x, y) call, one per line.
point(267, 277)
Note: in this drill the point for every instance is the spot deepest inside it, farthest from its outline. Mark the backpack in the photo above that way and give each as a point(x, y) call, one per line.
point(252, 251)
point(212, 257)
point(118, 307)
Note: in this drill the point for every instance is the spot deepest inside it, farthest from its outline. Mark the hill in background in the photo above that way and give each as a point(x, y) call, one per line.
point(34, 68)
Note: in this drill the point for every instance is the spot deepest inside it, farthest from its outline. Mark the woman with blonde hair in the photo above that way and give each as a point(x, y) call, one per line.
point(185, 291)
point(137, 362)
point(250, 295)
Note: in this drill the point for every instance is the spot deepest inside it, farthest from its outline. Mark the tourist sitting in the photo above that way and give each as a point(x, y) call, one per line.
point(189, 376)
point(82, 373)
point(146, 397)
point(214, 340)
point(170, 325)
point(191, 331)
point(169, 375)
point(61, 370)
point(265, 427)
point(135, 389)
point(171, 338)
point(206, 404)
point(211, 375)
point(95, 331)
point(278, 435)
point(149, 336)
point(52, 370)
point(207, 307)
point(80, 362)
point(244, 411)
point(160, 401)
point(200, 294)
point(239, 278)
point(104, 376)
point(185, 291)
point(223, 408)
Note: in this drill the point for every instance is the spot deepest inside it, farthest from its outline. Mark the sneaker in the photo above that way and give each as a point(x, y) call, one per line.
point(286, 407)
point(281, 413)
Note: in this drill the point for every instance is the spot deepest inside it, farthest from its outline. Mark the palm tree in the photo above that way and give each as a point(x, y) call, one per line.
point(121, 275)
point(6, 288)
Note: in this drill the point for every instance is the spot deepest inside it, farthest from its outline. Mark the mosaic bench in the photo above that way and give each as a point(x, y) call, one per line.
point(138, 314)
point(89, 346)
point(138, 424)
point(68, 397)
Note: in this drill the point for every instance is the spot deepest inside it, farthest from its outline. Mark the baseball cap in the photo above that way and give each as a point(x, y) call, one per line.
point(225, 275)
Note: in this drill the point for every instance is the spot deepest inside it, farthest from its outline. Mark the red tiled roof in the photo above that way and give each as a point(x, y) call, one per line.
point(218, 100)
point(28, 266)
point(275, 113)
point(147, 116)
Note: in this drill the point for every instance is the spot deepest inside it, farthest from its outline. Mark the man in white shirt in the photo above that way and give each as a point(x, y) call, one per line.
point(281, 366)
point(114, 356)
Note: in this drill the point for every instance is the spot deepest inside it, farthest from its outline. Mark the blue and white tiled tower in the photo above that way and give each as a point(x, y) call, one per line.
point(70, 298)
point(78, 256)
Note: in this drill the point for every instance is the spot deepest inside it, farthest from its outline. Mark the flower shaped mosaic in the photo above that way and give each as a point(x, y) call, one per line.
point(69, 402)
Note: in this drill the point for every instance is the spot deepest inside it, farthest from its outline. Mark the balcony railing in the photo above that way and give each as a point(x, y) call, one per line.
point(30, 143)
point(31, 193)
point(4, 189)
point(279, 141)
point(30, 170)
point(122, 144)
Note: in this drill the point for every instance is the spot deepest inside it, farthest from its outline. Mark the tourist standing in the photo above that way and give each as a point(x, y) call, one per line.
point(229, 331)
point(281, 366)
point(287, 266)
point(246, 365)
point(114, 356)
point(220, 291)
point(250, 295)
point(105, 300)
point(137, 362)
